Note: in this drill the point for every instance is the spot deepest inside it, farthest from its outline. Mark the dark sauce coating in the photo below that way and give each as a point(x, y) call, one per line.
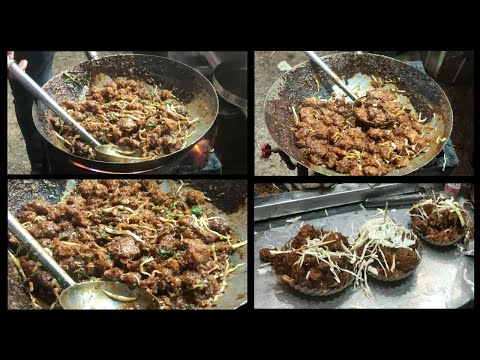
point(442, 228)
point(184, 264)
point(319, 273)
point(330, 134)
point(124, 113)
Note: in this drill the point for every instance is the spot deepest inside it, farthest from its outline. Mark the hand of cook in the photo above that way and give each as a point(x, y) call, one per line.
point(22, 64)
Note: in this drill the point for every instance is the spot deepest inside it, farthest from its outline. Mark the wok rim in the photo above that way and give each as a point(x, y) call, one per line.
point(222, 90)
point(123, 168)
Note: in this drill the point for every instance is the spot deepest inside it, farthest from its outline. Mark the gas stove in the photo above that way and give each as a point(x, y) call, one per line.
point(229, 136)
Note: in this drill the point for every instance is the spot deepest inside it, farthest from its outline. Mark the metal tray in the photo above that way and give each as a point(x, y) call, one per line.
point(444, 278)
point(289, 203)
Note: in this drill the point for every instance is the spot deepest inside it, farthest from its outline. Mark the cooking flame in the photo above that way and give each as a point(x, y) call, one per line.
point(199, 153)
point(196, 149)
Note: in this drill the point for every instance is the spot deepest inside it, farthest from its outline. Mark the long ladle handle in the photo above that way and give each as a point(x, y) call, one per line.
point(91, 55)
point(32, 245)
point(32, 87)
point(330, 73)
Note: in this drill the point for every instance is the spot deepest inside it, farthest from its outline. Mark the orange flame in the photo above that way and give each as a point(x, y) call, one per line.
point(196, 149)
point(199, 153)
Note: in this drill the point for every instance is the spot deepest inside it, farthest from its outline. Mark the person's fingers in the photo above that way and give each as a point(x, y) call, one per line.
point(10, 56)
point(23, 64)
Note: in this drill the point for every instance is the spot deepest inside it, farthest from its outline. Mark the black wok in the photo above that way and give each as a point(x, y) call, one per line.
point(188, 85)
point(297, 84)
point(229, 196)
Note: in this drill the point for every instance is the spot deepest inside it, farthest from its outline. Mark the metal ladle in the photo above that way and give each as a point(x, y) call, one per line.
point(89, 295)
point(357, 103)
point(108, 152)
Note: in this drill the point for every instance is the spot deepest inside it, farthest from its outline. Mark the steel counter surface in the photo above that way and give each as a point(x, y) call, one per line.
point(444, 278)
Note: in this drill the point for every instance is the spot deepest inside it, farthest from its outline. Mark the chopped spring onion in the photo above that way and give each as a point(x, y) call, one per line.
point(318, 85)
point(121, 207)
point(197, 210)
point(123, 232)
point(235, 268)
point(62, 138)
point(442, 205)
point(17, 264)
point(166, 254)
point(119, 297)
point(146, 261)
point(70, 243)
point(239, 244)
point(295, 115)
point(70, 77)
point(373, 235)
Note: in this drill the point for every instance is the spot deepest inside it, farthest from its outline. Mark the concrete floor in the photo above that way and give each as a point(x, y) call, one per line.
point(17, 159)
point(266, 73)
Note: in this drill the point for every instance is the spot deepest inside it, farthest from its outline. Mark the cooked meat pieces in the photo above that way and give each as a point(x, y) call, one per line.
point(320, 273)
point(196, 252)
point(443, 228)
point(266, 255)
point(27, 216)
point(283, 263)
point(113, 274)
point(44, 229)
point(306, 232)
point(361, 113)
point(39, 206)
point(131, 279)
point(123, 248)
point(388, 261)
point(135, 233)
point(219, 225)
point(382, 95)
point(329, 135)
point(194, 197)
point(372, 115)
point(406, 260)
point(371, 171)
point(378, 134)
point(41, 280)
point(127, 125)
point(124, 113)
